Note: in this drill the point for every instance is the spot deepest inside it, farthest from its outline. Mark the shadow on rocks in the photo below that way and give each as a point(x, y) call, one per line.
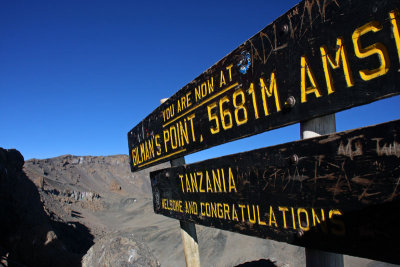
point(28, 236)
point(75, 236)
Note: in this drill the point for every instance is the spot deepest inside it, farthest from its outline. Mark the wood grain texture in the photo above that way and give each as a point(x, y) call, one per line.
point(337, 193)
point(190, 244)
point(318, 58)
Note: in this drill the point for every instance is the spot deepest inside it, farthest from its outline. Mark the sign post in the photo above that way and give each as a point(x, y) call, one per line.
point(188, 230)
point(308, 129)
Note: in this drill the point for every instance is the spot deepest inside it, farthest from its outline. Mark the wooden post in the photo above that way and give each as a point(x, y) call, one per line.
point(188, 230)
point(308, 129)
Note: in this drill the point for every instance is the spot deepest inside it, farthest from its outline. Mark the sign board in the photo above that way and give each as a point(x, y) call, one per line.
point(318, 58)
point(336, 193)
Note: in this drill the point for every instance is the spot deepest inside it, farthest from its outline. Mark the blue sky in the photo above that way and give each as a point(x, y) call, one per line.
point(76, 76)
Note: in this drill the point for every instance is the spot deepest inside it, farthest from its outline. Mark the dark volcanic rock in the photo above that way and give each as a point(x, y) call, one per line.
point(259, 263)
point(28, 235)
point(119, 249)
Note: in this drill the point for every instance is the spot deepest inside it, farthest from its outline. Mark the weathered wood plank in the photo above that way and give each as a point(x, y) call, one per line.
point(337, 193)
point(319, 58)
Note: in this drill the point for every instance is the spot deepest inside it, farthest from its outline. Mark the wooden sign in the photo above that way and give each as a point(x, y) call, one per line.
point(320, 57)
point(336, 193)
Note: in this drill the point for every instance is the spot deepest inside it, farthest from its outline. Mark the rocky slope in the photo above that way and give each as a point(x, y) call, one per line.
point(77, 189)
point(48, 208)
point(28, 236)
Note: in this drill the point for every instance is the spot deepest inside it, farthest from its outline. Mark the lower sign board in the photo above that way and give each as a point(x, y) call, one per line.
point(336, 193)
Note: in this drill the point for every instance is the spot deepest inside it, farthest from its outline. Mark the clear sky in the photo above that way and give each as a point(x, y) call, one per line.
point(76, 76)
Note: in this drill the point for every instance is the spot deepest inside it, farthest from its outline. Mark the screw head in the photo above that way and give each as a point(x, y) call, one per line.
point(300, 233)
point(294, 159)
point(290, 102)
